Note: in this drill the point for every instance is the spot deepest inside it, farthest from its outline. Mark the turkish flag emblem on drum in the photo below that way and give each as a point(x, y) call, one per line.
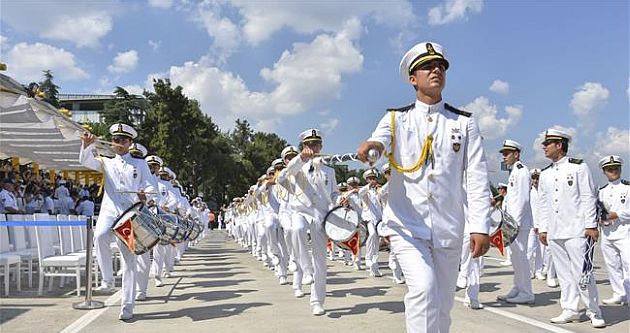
point(125, 233)
point(353, 244)
point(497, 240)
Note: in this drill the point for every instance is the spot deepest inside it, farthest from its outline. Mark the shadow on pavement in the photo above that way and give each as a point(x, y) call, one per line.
point(201, 313)
point(615, 314)
point(392, 307)
point(7, 314)
point(363, 292)
point(210, 296)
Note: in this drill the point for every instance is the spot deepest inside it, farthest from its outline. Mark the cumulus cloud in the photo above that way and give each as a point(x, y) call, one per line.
point(500, 87)
point(454, 10)
point(164, 4)
point(303, 78)
point(225, 33)
point(81, 23)
point(124, 62)
point(27, 61)
point(616, 141)
point(134, 89)
point(588, 98)
point(488, 118)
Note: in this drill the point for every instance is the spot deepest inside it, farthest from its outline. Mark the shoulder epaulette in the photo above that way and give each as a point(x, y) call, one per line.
point(402, 109)
point(458, 111)
point(519, 165)
point(102, 156)
point(576, 160)
point(547, 167)
point(601, 188)
point(625, 182)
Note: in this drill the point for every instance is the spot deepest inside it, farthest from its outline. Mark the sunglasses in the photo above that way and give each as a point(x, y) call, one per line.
point(429, 66)
point(118, 139)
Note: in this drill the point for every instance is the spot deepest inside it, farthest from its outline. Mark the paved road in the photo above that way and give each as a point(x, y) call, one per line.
point(220, 287)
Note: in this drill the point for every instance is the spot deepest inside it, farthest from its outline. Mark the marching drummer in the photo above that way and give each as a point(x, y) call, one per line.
point(615, 229)
point(566, 197)
point(382, 228)
point(316, 181)
point(372, 213)
point(427, 175)
point(516, 203)
point(351, 199)
point(125, 180)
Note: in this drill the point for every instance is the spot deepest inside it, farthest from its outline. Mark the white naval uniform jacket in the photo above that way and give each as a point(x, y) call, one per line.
point(533, 203)
point(372, 210)
point(616, 198)
point(517, 199)
point(7, 199)
point(429, 203)
point(170, 198)
point(566, 199)
point(122, 174)
point(313, 185)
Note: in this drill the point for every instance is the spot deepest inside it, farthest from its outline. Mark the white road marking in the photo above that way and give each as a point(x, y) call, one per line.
point(91, 315)
point(521, 318)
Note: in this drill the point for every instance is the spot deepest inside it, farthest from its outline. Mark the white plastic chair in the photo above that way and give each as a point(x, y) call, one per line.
point(8, 259)
point(51, 265)
point(21, 248)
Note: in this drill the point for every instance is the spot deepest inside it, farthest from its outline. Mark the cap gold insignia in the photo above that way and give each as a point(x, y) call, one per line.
point(313, 133)
point(120, 128)
point(430, 49)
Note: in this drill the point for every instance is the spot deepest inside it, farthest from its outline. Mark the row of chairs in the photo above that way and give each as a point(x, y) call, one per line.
point(55, 251)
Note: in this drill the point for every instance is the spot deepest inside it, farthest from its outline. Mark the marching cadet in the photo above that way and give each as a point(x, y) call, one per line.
point(316, 193)
point(125, 180)
point(382, 228)
point(429, 145)
point(615, 197)
point(566, 197)
point(499, 202)
point(285, 212)
point(279, 195)
point(167, 203)
point(353, 201)
point(372, 213)
point(517, 205)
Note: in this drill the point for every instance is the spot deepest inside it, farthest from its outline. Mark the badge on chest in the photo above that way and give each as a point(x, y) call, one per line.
point(623, 198)
point(135, 173)
point(570, 180)
point(456, 139)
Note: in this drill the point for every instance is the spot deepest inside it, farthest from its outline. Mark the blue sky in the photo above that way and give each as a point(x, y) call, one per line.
point(520, 67)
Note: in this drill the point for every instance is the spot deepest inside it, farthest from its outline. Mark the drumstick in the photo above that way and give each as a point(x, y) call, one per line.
point(136, 192)
point(109, 143)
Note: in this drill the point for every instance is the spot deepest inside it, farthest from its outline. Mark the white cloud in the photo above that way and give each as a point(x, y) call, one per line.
point(616, 141)
point(487, 115)
point(134, 89)
point(263, 18)
point(4, 41)
point(329, 125)
point(155, 45)
point(225, 33)
point(124, 62)
point(453, 10)
point(500, 87)
point(164, 4)
point(303, 78)
point(27, 61)
point(81, 23)
point(588, 98)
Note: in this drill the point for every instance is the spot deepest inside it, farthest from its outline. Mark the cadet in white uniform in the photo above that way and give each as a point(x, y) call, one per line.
point(615, 197)
point(8, 203)
point(429, 144)
point(316, 191)
point(566, 196)
point(126, 180)
point(382, 228)
point(516, 203)
point(534, 248)
point(372, 213)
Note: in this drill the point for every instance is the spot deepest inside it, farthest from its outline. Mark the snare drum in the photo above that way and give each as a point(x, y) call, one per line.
point(176, 229)
point(383, 241)
point(501, 221)
point(138, 228)
point(341, 224)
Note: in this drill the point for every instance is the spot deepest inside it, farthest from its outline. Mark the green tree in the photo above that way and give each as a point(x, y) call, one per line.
point(125, 108)
point(50, 89)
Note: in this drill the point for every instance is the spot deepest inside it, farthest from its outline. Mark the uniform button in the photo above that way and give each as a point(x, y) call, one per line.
point(430, 196)
point(556, 179)
point(556, 190)
point(556, 212)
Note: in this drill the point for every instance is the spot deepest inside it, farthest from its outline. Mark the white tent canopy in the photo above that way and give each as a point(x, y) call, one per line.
point(35, 131)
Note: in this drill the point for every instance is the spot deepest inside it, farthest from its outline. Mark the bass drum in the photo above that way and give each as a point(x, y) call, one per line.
point(342, 224)
point(500, 221)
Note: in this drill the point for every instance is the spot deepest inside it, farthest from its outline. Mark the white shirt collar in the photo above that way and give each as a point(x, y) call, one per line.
point(561, 161)
point(429, 108)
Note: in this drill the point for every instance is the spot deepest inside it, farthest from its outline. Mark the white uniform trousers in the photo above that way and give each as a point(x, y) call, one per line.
point(285, 223)
point(534, 253)
point(252, 231)
point(617, 258)
point(159, 259)
point(318, 243)
point(142, 272)
point(568, 257)
point(371, 247)
point(394, 265)
point(299, 239)
point(102, 243)
point(522, 278)
point(283, 253)
point(261, 240)
point(431, 275)
point(548, 267)
point(470, 269)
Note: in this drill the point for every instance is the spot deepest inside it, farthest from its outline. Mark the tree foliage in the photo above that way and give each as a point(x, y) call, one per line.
point(125, 108)
point(50, 89)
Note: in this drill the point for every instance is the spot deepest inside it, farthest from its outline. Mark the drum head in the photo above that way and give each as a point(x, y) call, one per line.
point(496, 217)
point(341, 223)
point(128, 214)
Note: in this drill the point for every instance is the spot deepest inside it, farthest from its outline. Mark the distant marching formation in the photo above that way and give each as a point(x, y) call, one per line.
point(435, 214)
